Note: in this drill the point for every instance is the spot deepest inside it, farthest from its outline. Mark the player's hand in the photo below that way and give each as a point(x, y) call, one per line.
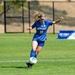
point(30, 28)
point(61, 18)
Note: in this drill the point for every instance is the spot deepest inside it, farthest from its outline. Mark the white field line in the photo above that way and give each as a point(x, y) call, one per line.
point(50, 60)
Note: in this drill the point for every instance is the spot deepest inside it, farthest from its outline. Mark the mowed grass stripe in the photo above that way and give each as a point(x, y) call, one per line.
point(50, 60)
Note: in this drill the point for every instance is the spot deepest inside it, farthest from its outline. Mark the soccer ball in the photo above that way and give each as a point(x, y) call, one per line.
point(33, 60)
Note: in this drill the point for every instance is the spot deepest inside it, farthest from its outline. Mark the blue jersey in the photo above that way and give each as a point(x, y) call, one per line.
point(41, 30)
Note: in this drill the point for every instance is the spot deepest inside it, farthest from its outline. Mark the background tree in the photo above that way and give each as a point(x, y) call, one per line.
point(69, 0)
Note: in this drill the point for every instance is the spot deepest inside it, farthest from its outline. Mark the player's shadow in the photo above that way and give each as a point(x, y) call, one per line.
point(19, 67)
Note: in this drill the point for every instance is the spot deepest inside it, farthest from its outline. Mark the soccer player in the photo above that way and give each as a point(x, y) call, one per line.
point(38, 41)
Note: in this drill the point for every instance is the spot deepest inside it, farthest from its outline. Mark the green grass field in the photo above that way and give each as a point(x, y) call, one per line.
point(56, 58)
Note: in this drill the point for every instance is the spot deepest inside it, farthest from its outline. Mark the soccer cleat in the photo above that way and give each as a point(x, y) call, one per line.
point(29, 65)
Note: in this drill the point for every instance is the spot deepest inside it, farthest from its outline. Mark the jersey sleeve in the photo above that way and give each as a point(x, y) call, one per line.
point(34, 25)
point(50, 23)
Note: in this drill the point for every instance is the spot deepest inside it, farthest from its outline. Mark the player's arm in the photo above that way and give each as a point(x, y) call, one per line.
point(56, 21)
point(30, 28)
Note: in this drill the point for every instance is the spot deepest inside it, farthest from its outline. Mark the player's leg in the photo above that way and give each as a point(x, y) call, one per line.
point(32, 52)
point(34, 47)
point(38, 50)
point(39, 47)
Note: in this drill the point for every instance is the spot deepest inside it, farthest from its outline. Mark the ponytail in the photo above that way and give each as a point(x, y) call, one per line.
point(37, 15)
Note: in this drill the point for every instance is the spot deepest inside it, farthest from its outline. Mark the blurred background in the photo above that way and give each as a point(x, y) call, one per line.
point(17, 16)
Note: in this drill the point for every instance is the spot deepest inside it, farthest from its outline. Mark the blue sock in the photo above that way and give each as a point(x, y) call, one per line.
point(35, 56)
point(32, 53)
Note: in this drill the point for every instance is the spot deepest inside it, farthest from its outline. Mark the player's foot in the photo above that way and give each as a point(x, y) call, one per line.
point(29, 65)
